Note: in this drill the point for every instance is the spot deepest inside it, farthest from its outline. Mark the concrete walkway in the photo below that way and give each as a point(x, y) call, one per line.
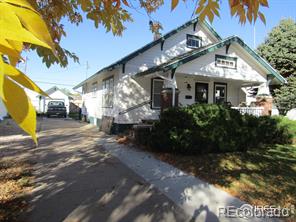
point(76, 180)
point(197, 198)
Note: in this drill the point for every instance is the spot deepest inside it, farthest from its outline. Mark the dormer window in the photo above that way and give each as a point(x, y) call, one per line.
point(193, 41)
point(226, 61)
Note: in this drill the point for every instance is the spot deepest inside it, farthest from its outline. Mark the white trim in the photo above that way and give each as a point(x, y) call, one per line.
point(225, 63)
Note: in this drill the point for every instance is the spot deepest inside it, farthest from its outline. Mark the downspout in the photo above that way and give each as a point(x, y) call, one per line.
point(173, 80)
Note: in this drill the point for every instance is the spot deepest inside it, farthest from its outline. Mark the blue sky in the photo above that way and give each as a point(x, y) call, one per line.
point(99, 48)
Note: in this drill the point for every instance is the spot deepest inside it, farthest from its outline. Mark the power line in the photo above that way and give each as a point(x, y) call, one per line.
point(54, 83)
point(65, 70)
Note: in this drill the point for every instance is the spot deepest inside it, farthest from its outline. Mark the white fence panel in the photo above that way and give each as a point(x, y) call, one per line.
point(256, 111)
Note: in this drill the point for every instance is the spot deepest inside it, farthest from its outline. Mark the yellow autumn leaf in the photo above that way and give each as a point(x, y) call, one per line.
point(33, 23)
point(13, 28)
point(210, 15)
point(8, 49)
point(19, 106)
point(21, 78)
point(20, 24)
point(262, 17)
point(1, 75)
point(250, 16)
point(1, 82)
point(264, 3)
point(174, 4)
point(22, 3)
point(18, 46)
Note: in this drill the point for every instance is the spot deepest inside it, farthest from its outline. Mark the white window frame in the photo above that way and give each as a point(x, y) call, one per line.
point(226, 61)
point(153, 93)
point(108, 92)
point(193, 39)
point(94, 89)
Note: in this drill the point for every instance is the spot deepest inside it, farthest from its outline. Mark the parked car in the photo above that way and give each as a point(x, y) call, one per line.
point(56, 108)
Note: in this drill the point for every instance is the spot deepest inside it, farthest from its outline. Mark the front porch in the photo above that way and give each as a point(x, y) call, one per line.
point(191, 89)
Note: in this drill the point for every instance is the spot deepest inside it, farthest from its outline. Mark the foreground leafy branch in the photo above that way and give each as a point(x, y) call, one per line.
point(23, 25)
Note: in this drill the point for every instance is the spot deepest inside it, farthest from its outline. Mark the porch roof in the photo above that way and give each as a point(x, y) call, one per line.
point(196, 53)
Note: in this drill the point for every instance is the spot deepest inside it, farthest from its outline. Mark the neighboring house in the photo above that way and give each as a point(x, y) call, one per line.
point(192, 58)
point(40, 102)
point(3, 111)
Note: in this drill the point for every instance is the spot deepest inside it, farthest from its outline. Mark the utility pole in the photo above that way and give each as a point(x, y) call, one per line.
point(254, 37)
point(87, 68)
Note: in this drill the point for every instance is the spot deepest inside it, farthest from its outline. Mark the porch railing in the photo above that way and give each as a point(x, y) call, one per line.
point(135, 107)
point(256, 111)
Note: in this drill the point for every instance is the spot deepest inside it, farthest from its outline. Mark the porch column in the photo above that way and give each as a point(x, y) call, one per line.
point(174, 86)
point(264, 98)
point(170, 92)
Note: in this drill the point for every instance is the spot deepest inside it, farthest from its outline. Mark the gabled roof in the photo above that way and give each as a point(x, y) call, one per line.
point(150, 45)
point(54, 89)
point(196, 53)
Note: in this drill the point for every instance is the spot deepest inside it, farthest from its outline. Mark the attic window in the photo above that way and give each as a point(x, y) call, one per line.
point(193, 41)
point(226, 61)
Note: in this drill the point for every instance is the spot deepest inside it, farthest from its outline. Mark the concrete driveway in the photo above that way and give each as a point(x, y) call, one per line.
point(76, 180)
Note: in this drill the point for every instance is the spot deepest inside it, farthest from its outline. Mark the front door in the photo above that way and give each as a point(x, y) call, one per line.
point(201, 92)
point(220, 93)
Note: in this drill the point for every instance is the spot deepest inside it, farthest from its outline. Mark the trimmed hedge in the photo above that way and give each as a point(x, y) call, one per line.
point(204, 128)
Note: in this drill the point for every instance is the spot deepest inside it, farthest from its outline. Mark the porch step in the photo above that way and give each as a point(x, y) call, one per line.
point(149, 121)
point(140, 133)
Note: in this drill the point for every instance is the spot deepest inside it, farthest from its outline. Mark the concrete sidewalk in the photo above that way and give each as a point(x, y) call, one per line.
point(77, 181)
point(197, 198)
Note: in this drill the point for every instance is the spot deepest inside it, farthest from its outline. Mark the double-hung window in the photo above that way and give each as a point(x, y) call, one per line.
point(108, 92)
point(157, 85)
point(84, 88)
point(94, 89)
point(226, 61)
point(193, 41)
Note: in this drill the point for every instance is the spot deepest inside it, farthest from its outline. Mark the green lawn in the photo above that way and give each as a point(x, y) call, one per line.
point(259, 176)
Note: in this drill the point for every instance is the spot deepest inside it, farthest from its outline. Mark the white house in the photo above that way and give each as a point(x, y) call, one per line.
point(191, 59)
point(40, 102)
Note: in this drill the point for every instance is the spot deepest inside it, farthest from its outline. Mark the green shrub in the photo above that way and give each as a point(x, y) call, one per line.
point(204, 128)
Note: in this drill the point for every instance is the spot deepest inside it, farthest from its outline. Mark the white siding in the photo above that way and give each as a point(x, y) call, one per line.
point(131, 93)
point(205, 66)
point(93, 100)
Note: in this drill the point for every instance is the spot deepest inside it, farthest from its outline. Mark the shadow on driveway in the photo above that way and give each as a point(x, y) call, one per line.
point(77, 181)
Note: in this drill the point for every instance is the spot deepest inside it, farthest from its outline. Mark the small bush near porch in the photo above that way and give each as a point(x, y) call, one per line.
point(215, 129)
